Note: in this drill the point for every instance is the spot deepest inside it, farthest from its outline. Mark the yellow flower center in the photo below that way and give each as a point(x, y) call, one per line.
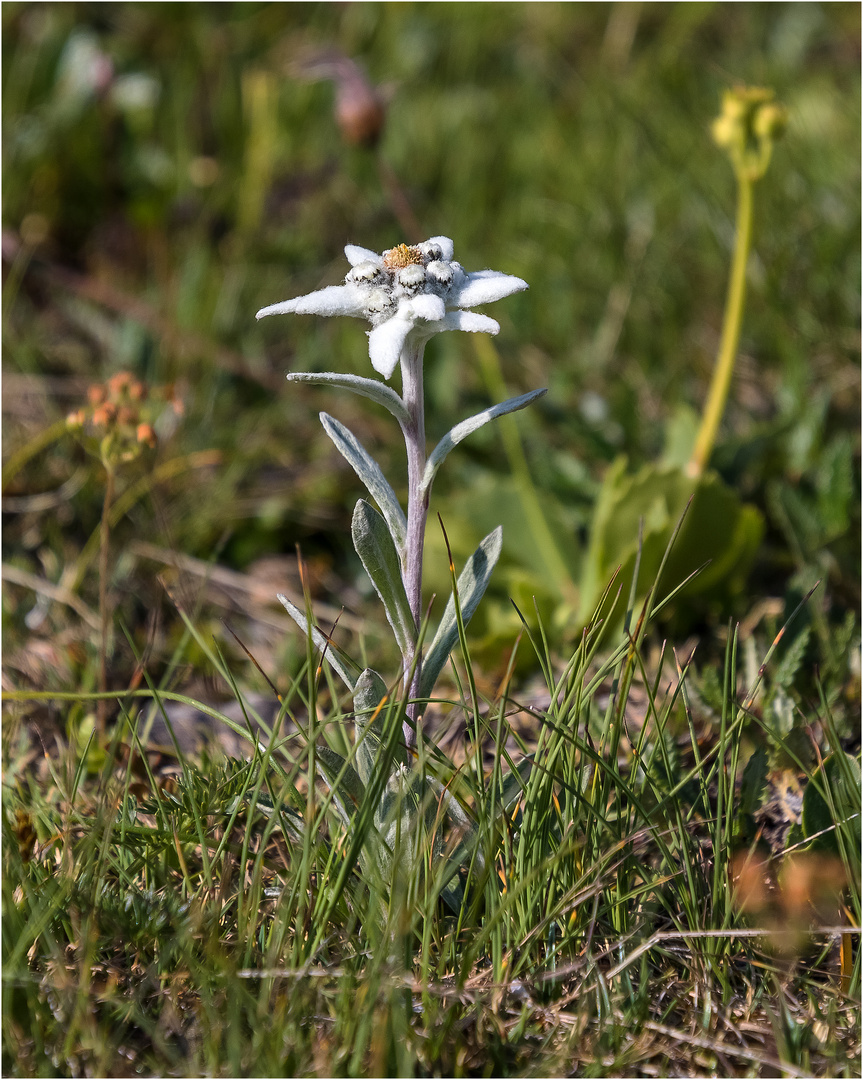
point(403, 255)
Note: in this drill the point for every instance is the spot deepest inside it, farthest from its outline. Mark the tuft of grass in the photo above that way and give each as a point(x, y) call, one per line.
point(223, 916)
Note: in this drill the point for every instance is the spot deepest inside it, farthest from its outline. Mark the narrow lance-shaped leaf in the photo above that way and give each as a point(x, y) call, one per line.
point(342, 779)
point(467, 427)
point(320, 641)
point(466, 850)
point(376, 549)
point(368, 470)
point(514, 782)
point(368, 388)
point(472, 583)
point(370, 708)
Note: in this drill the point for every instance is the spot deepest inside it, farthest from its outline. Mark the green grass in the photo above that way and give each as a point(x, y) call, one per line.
point(173, 910)
point(223, 920)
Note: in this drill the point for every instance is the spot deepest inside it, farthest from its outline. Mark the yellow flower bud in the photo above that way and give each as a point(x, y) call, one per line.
point(747, 125)
point(723, 130)
point(770, 121)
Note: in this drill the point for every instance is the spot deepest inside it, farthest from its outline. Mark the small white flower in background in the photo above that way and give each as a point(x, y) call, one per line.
point(408, 289)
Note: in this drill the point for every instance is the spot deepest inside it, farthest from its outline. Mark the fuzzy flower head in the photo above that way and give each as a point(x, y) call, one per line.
point(408, 291)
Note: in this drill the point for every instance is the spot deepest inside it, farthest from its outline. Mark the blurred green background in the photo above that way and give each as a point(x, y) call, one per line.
point(170, 168)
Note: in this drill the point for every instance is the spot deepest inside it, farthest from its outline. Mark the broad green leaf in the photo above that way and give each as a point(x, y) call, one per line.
point(797, 513)
point(472, 583)
point(523, 572)
point(369, 733)
point(368, 388)
point(452, 892)
point(320, 641)
point(376, 549)
point(468, 427)
point(718, 530)
point(681, 431)
point(368, 470)
point(782, 713)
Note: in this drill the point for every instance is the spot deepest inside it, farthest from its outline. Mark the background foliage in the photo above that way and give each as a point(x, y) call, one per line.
point(567, 144)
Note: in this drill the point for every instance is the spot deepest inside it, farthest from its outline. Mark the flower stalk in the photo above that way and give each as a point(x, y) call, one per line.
point(104, 610)
point(746, 129)
point(418, 500)
point(115, 426)
point(418, 504)
point(720, 384)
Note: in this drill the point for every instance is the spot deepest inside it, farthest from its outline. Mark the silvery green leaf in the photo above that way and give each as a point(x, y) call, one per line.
point(320, 641)
point(468, 427)
point(472, 584)
point(452, 808)
point(466, 850)
point(445, 870)
point(368, 388)
point(398, 811)
point(368, 470)
point(341, 778)
point(397, 823)
point(460, 820)
point(376, 549)
point(369, 692)
point(513, 783)
point(452, 890)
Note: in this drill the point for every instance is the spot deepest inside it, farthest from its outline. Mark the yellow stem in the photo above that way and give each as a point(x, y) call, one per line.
point(721, 382)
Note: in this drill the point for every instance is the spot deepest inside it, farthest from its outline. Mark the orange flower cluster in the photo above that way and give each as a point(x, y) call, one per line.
point(788, 898)
point(118, 416)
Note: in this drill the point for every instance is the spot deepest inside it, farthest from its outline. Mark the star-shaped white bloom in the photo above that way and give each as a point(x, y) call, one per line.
point(417, 290)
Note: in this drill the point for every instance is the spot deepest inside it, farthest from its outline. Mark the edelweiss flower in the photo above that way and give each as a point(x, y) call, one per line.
point(408, 290)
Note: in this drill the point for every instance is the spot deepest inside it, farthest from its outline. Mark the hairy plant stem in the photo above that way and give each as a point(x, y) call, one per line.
point(104, 545)
point(418, 504)
point(721, 382)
